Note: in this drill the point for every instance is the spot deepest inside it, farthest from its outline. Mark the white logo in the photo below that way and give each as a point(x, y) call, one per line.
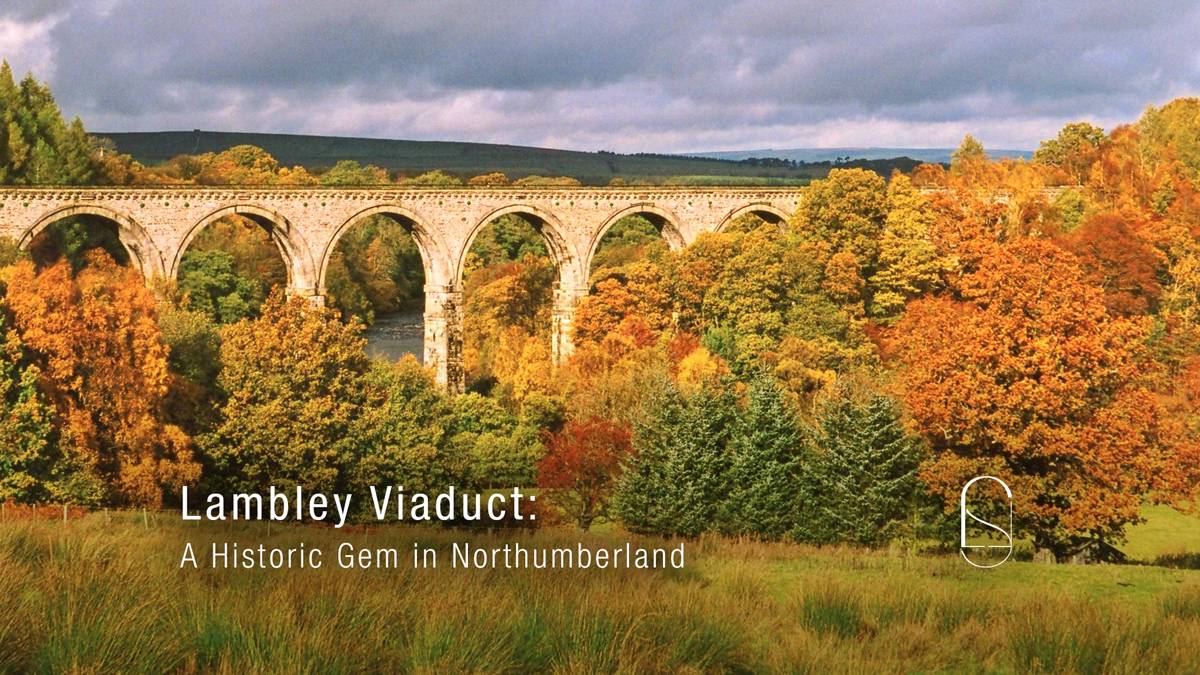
point(964, 513)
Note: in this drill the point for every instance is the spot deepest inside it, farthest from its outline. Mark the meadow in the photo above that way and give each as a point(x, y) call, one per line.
point(104, 593)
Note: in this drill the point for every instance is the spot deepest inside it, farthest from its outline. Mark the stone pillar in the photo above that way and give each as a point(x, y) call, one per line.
point(309, 294)
point(566, 301)
point(443, 335)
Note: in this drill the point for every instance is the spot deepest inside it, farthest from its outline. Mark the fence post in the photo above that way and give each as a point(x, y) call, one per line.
point(64, 513)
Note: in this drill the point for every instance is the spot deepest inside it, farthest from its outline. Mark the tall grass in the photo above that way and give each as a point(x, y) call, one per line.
point(95, 596)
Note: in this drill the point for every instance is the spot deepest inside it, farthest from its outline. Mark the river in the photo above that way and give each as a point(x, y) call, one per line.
point(394, 335)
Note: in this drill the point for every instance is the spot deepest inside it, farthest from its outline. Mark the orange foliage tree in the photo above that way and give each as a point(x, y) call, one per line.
point(96, 339)
point(1031, 379)
point(581, 465)
point(637, 290)
point(1119, 259)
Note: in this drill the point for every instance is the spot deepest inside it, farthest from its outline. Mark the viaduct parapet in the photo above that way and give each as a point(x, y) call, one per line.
point(156, 225)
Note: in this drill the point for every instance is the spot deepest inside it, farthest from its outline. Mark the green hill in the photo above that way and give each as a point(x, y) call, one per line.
point(470, 159)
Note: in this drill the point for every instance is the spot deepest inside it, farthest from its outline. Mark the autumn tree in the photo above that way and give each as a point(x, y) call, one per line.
point(969, 158)
point(547, 181)
point(847, 211)
point(692, 272)
point(433, 179)
point(1030, 379)
point(909, 264)
point(1173, 132)
point(95, 338)
point(494, 179)
point(637, 289)
point(631, 239)
point(1118, 258)
point(376, 267)
point(508, 285)
point(755, 290)
point(1074, 150)
point(350, 172)
point(611, 379)
point(581, 465)
point(294, 384)
point(515, 295)
point(248, 165)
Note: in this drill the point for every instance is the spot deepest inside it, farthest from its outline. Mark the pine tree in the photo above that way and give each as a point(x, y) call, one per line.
point(861, 478)
point(677, 477)
point(75, 148)
point(36, 145)
point(764, 487)
point(8, 107)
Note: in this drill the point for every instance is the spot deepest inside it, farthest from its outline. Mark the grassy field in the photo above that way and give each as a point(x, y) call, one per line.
point(470, 159)
point(1165, 532)
point(99, 596)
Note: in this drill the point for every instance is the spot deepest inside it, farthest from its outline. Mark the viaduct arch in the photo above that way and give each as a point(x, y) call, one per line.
point(141, 248)
point(156, 224)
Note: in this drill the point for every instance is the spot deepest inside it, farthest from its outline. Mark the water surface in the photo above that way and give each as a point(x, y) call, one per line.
point(394, 335)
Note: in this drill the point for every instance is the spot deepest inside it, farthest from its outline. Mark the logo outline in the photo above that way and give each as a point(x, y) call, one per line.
point(964, 513)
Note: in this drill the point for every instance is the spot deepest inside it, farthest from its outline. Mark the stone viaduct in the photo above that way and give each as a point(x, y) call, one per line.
point(156, 225)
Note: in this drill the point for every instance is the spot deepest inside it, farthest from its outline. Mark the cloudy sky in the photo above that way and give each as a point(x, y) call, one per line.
point(650, 76)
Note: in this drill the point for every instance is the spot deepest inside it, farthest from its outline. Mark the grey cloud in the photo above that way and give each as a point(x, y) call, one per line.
point(32, 10)
point(679, 74)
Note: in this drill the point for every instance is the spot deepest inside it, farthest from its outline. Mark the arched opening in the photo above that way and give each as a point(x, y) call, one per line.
point(626, 291)
point(510, 269)
point(636, 233)
point(231, 260)
point(74, 232)
point(753, 216)
point(375, 269)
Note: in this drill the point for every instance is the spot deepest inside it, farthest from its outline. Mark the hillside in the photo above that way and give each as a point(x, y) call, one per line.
point(469, 159)
point(932, 155)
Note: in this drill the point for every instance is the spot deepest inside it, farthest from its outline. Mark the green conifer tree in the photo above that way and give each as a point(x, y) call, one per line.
point(677, 478)
point(36, 145)
point(861, 475)
point(764, 496)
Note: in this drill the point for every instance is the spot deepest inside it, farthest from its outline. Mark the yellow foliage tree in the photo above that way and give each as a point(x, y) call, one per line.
point(96, 338)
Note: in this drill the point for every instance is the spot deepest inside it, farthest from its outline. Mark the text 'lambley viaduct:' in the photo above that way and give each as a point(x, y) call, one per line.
point(157, 224)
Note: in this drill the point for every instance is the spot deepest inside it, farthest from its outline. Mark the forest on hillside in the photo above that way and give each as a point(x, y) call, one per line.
point(402, 159)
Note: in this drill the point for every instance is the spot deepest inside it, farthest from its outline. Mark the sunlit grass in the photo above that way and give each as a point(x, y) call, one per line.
point(96, 596)
point(1166, 531)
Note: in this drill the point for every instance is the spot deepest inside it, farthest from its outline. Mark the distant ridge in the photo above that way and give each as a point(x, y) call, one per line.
point(469, 159)
point(931, 155)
